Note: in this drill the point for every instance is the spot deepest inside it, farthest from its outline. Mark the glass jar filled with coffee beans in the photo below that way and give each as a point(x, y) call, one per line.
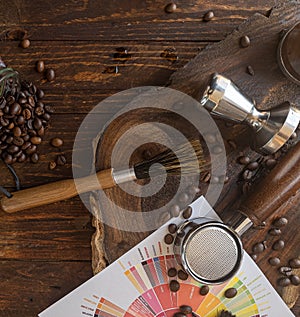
point(23, 117)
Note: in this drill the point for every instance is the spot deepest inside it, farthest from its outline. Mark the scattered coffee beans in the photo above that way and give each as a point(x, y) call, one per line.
point(274, 261)
point(40, 66)
point(168, 238)
point(186, 214)
point(25, 43)
point(275, 232)
point(171, 7)
point(172, 228)
point(52, 165)
point(61, 160)
point(258, 247)
point(208, 16)
point(204, 290)
point(230, 292)
point(174, 286)
point(278, 245)
point(294, 263)
point(57, 142)
point(50, 74)
point(285, 270)
point(250, 70)
point(244, 160)
point(295, 280)
point(284, 281)
point(172, 272)
point(252, 166)
point(280, 222)
point(182, 275)
point(175, 210)
point(245, 41)
point(186, 309)
point(270, 163)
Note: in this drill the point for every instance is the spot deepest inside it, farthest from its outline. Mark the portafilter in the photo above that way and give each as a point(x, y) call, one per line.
point(211, 251)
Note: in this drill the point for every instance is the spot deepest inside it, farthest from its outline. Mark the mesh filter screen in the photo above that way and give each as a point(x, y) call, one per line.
point(211, 253)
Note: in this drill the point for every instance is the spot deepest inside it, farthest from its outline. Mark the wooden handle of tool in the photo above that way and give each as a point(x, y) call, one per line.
point(57, 191)
point(277, 188)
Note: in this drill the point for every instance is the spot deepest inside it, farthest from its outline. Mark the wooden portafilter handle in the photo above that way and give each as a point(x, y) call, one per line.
point(56, 191)
point(273, 191)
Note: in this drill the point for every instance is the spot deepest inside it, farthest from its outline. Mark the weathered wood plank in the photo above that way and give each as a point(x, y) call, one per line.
point(28, 287)
point(63, 233)
point(133, 20)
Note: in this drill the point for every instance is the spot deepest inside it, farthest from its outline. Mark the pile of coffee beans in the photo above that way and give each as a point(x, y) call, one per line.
point(24, 118)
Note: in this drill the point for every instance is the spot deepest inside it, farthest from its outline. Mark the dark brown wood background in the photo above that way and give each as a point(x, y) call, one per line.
point(45, 252)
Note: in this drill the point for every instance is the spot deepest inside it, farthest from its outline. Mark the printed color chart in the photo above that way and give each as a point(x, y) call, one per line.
point(137, 285)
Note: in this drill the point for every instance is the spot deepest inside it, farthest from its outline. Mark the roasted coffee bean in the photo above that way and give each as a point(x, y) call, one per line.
point(182, 275)
point(230, 292)
point(25, 146)
point(183, 198)
point(61, 160)
point(11, 126)
point(204, 290)
point(193, 190)
point(208, 16)
point(30, 124)
point(52, 165)
point(206, 177)
point(17, 132)
point(40, 93)
point(57, 142)
point(186, 214)
point(175, 210)
point(275, 232)
point(179, 314)
point(37, 123)
point(295, 279)
point(39, 111)
point(10, 100)
point(280, 222)
point(270, 163)
point(27, 114)
point(172, 228)
point(252, 166)
point(36, 140)
point(40, 66)
point(32, 133)
point(34, 158)
point(285, 270)
point(258, 247)
point(278, 245)
point(18, 154)
point(186, 309)
point(8, 159)
point(22, 100)
point(294, 263)
point(172, 272)
point(168, 238)
point(26, 137)
point(20, 120)
point(31, 101)
point(247, 175)
point(9, 139)
point(174, 286)
point(284, 281)
point(245, 41)
point(244, 160)
point(217, 149)
point(13, 149)
point(50, 74)
point(4, 122)
point(25, 43)
point(171, 7)
point(15, 109)
point(250, 70)
point(46, 116)
point(18, 141)
point(274, 261)
point(31, 149)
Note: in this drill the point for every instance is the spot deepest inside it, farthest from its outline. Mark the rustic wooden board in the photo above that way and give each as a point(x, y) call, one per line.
point(268, 87)
point(118, 20)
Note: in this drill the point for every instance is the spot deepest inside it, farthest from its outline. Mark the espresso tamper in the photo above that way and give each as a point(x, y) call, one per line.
point(271, 128)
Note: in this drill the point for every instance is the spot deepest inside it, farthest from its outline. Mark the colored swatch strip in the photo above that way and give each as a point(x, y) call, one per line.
point(105, 308)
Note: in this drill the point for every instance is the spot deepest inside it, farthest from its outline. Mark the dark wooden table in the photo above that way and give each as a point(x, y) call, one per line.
point(45, 252)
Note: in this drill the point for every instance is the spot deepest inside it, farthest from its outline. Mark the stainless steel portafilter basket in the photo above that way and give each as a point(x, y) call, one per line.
point(271, 128)
point(211, 251)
